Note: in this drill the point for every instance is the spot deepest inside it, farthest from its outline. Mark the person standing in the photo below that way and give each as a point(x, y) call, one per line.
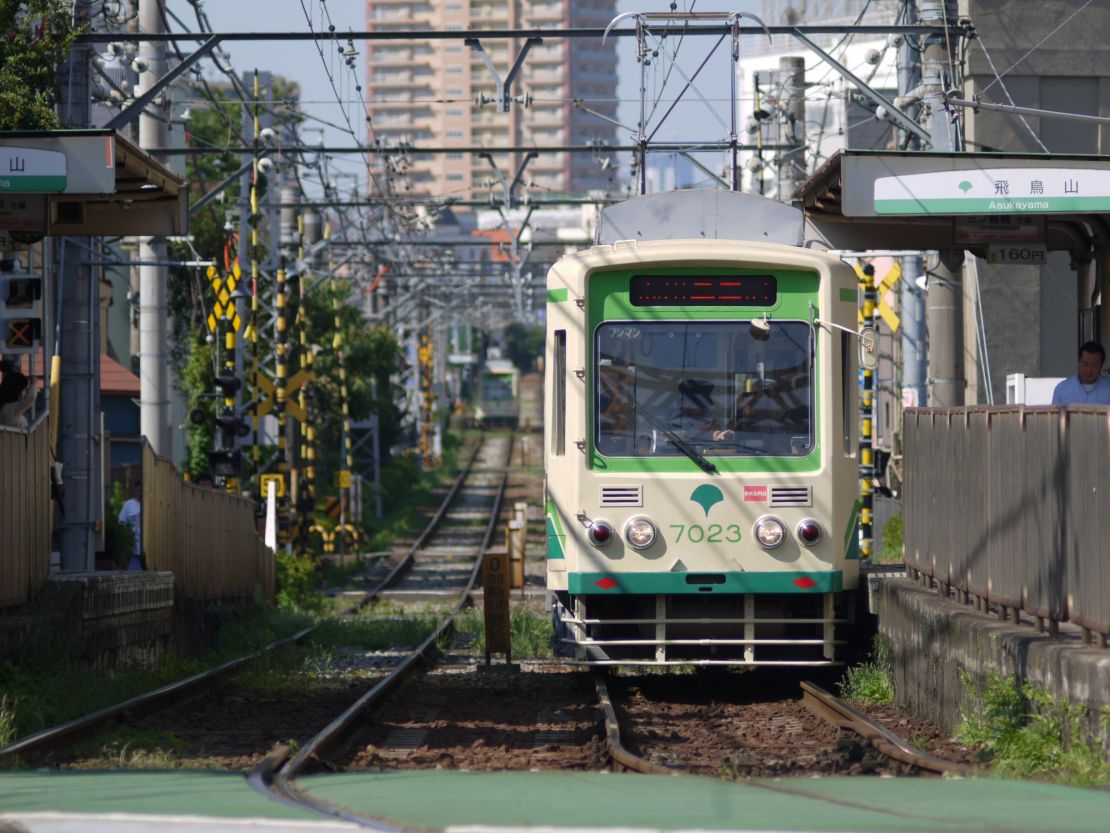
point(17, 395)
point(1088, 386)
point(131, 514)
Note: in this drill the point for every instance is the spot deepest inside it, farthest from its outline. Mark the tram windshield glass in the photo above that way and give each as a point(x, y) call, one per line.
point(708, 385)
point(496, 387)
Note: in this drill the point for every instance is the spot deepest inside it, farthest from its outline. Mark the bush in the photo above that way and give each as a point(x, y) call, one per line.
point(119, 539)
point(871, 682)
point(892, 540)
point(296, 581)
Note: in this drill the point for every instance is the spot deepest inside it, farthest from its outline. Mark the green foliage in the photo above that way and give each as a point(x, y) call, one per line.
point(296, 582)
point(870, 681)
point(7, 720)
point(523, 344)
point(1024, 732)
point(119, 539)
point(35, 36)
point(374, 634)
point(892, 540)
point(198, 375)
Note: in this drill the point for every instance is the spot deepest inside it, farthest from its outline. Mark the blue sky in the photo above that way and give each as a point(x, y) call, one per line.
point(303, 63)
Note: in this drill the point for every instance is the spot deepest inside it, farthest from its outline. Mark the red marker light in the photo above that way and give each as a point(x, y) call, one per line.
point(601, 533)
point(809, 532)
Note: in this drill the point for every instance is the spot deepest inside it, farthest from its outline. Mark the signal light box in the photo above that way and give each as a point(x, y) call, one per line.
point(20, 313)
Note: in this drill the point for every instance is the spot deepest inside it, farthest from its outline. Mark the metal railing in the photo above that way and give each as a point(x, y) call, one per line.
point(1009, 507)
point(207, 539)
point(24, 512)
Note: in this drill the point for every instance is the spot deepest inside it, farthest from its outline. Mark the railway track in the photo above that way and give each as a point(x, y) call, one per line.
point(230, 713)
point(277, 775)
point(751, 736)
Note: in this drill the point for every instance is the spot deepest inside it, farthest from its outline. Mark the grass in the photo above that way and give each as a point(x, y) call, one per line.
point(890, 548)
point(871, 681)
point(1024, 732)
point(47, 665)
point(529, 631)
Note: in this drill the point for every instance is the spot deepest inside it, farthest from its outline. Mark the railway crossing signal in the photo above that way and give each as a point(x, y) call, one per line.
point(20, 313)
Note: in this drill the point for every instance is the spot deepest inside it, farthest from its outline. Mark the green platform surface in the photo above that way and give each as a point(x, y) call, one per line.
point(471, 802)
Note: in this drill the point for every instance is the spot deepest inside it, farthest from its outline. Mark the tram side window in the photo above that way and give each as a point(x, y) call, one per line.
point(559, 406)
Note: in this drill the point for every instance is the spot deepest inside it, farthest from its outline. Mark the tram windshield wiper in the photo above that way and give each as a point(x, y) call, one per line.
point(680, 444)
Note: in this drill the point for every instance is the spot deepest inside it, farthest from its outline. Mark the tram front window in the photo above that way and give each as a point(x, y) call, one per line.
point(708, 385)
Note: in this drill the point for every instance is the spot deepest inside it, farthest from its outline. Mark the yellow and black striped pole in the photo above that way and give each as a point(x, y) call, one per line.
point(281, 373)
point(346, 461)
point(867, 422)
point(252, 324)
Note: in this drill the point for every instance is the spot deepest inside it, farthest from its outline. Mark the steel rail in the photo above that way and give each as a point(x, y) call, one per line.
point(402, 566)
point(836, 711)
point(613, 743)
point(276, 776)
point(141, 705)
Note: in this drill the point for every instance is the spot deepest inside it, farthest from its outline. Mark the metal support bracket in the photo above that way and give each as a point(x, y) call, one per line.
point(139, 104)
point(896, 115)
point(504, 99)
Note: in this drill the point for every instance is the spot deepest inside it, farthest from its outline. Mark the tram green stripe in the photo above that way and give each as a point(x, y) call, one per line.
point(734, 582)
point(555, 296)
point(851, 534)
point(555, 534)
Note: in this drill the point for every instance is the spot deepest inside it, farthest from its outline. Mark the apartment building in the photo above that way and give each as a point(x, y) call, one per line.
point(431, 92)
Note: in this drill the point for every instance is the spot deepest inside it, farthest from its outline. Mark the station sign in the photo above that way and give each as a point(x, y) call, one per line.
point(972, 184)
point(997, 228)
point(30, 170)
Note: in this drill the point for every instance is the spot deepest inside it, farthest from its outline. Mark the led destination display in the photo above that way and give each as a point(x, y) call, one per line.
point(702, 290)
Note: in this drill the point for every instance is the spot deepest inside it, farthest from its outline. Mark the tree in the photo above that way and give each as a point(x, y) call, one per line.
point(35, 36)
point(524, 344)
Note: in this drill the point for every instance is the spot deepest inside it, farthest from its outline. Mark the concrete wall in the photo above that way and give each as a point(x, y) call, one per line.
point(934, 639)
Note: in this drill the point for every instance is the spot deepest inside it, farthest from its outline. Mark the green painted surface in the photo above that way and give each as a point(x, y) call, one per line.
point(37, 184)
point(437, 799)
point(608, 300)
point(584, 800)
point(555, 296)
point(735, 582)
point(993, 205)
point(176, 792)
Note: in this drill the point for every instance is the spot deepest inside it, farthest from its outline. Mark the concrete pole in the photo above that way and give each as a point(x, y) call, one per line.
point(912, 308)
point(792, 164)
point(78, 346)
point(944, 312)
point(944, 307)
point(154, 392)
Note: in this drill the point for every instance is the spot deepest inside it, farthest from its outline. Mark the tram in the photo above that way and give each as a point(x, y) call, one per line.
point(701, 438)
point(498, 394)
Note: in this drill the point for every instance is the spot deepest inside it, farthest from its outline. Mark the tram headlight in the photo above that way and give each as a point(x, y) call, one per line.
point(640, 533)
point(808, 532)
point(601, 533)
point(769, 532)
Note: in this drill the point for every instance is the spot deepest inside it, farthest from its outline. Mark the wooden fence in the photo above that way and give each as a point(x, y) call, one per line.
point(1011, 506)
point(24, 512)
point(207, 539)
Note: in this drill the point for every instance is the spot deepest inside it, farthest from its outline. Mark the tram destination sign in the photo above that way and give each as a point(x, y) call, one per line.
point(973, 184)
point(703, 290)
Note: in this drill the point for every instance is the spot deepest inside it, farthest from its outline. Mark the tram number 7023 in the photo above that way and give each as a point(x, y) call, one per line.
point(712, 534)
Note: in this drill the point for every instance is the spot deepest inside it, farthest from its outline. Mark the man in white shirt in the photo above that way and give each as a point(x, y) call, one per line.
point(1088, 386)
point(131, 514)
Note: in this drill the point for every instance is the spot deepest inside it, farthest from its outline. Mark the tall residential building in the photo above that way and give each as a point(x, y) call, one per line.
point(429, 92)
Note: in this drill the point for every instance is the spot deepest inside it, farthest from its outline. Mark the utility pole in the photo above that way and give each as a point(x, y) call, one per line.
point(792, 125)
point(78, 344)
point(154, 392)
point(912, 310)
point(944, 304)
